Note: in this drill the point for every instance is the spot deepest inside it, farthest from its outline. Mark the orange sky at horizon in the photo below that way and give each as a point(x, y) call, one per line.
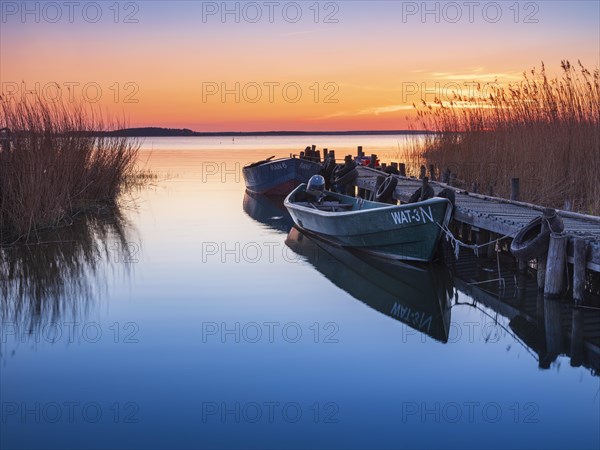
point(364, 71)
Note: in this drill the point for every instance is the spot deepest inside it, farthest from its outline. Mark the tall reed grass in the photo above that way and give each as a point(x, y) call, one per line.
point(54, 163)
point(544, 131)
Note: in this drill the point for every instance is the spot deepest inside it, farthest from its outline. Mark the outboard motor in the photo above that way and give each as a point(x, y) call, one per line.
point(316, 187)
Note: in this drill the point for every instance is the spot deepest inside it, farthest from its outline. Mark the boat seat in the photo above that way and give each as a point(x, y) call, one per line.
point(332, 206)
point(328, 206)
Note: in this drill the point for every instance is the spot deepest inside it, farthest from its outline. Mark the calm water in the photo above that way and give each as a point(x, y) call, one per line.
point(197, 319)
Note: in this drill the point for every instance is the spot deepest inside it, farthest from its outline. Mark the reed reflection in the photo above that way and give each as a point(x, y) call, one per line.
point(58, 275)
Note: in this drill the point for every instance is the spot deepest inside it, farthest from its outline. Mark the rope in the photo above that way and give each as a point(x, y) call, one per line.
point(456, 243)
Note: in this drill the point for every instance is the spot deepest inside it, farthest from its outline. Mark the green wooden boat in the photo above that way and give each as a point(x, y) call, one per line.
point(406, 232)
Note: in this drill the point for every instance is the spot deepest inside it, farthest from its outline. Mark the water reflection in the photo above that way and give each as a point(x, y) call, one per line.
point(416, 295)
point(420, 296)
point(548, 328)
point(268, 211)
point(58, 276)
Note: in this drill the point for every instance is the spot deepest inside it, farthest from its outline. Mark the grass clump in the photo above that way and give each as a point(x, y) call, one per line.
point(55, 162)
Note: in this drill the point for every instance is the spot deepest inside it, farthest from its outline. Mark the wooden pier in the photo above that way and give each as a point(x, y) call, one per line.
point(484, 215)
point(482, 220)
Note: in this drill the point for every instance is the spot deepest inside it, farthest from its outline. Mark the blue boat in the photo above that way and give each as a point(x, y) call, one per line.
point(278, 176)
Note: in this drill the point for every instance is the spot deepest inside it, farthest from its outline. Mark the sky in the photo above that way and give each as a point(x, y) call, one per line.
point(276, 65)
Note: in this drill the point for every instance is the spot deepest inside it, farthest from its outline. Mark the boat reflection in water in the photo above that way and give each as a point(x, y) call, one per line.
point(417, 295)
point(268, 211)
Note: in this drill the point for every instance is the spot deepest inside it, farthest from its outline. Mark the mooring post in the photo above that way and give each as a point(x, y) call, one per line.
point(491, 190)
point(514, 189)
point(318, 156)
point(331, 155)
point(555, 265)
point(423, 173)
point(359, 151)
point(302, 154)
point(452, 181)
point(553, 327)
point(521, 265)
point(394, 167)
point(424, 186)
point(475, 187)
point(350, 190)
point(325, 154)
point(446, 176)
point(579, 266)
point(577, 346)
point(383, 166)
point(373, 161)
point(402, 169)
point(431, 172)
point(541, 271)
point(491, 249)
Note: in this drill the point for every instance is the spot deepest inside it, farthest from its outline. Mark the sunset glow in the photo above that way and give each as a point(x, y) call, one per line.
point(247, 66)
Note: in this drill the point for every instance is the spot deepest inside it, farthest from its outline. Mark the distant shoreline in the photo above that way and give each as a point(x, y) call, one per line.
point(174, 132)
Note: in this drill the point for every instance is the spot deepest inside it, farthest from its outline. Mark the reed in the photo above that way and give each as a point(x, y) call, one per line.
point(544, 131)
point(55, 162)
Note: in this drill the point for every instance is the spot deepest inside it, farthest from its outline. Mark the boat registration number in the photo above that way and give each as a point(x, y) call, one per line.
point(415, 215)
point(278, 166)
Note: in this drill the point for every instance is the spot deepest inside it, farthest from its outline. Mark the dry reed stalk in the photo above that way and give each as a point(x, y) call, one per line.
point(544, 131)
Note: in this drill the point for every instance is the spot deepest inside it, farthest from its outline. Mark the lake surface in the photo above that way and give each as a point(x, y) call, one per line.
point(197, 318)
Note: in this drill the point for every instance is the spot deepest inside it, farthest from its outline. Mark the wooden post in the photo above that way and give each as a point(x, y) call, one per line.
point(359, 151)
point(331, 154)
point(446, 176)
point(431, 172)
point(423, 173)
point(350, 190)
point(313, 147)
point(577, 344)
point(475, 187)
point(483, 237)
point(383, 166)
point(373, 161)
point(541, 271)
point(491, 190)
point(424, 188)
point(394, 167)
point(302, 154)
point(452, 181)
point(555, 265)
point(567, 205)
point(579, 266)
point(402, 169)
point(491, 249)
point(325, 154)
point(553, 326)
point(318, 156)
point(514, 189)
